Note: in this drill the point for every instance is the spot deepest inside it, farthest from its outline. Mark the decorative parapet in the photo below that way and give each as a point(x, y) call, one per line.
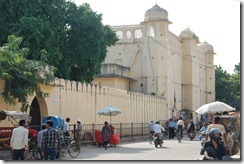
point(126, 27)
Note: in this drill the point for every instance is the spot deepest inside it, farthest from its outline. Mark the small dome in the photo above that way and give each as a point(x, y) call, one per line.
point(206, 47)
point(187, 33)
point(156, 13)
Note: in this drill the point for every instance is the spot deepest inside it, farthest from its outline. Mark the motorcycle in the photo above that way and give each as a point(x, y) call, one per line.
point(151, 137)
point(158, 139)
point(178, 135)
point(191, 135)
point(203, 134)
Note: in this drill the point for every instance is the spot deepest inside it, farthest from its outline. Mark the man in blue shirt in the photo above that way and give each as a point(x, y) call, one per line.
point(171, 126)
point(39, 139)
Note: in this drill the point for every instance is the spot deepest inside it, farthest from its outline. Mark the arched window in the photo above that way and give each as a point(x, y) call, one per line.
point(119, 34)
point(128, 34)
point(151, 32)
point(138, 34)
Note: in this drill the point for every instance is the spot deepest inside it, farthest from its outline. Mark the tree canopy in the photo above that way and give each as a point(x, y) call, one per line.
point(228, 86)
point(73, 37)
point(22, 77)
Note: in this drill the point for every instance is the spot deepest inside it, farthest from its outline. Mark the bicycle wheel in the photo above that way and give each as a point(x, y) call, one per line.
point(74, 149)
point(37, 153)
point(59, 153)
point(30, 154)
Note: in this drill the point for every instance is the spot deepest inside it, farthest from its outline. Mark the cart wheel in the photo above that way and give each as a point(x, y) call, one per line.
point(114, 145)
point(98, 144)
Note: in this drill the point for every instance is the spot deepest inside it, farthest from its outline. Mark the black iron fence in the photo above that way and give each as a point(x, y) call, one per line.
point(126, 130)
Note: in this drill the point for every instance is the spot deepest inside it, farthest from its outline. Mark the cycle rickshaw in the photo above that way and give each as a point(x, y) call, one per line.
point(66, 143)
point(6, 132)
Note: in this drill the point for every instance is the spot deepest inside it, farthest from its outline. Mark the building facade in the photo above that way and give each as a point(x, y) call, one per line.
point(150, 59)
point(150, 74)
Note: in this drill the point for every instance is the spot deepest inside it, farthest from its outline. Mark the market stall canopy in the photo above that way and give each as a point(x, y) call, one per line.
point(14, 115)
point(109, 111)
point(214, 107)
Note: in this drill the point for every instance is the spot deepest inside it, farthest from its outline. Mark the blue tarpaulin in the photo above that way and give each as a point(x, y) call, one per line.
point(58, 122)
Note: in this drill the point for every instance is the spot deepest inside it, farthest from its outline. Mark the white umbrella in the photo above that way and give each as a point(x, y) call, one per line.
point(214, 107)
point(109, 111)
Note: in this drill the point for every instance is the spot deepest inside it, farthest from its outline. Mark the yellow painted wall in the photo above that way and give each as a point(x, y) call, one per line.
point(77, 100)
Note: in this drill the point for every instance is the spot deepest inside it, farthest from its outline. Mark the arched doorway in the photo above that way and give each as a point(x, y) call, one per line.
point(35, 115)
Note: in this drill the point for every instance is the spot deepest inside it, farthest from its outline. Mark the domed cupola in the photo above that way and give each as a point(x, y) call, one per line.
point(156, 13)
point(187, 33)
point(206, 47)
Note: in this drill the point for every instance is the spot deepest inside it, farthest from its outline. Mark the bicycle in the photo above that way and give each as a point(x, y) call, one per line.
point(32, 145)
point(67, 145)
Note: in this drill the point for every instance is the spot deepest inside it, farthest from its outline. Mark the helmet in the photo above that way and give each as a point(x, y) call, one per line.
point(213, 132)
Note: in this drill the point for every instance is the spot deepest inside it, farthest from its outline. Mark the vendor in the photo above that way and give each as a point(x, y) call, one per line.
point(112, 128)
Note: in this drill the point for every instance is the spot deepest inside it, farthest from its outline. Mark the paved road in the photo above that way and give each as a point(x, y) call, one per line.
point(171, 150)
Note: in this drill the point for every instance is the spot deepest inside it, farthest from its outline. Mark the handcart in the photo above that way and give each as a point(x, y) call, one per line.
point(6, 132)
point(113, 141)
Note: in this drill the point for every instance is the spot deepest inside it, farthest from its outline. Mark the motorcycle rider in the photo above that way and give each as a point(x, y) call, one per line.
point(190, 128)
point(158, 129)
point(150, 127)
point(202, 131)
point(181, 125)
point(214, 149)
point(221, 127)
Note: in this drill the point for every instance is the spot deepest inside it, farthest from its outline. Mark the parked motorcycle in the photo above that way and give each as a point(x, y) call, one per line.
point(158, 139)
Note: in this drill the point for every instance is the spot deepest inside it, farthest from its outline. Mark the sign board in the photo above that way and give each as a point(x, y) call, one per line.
point(55, 99)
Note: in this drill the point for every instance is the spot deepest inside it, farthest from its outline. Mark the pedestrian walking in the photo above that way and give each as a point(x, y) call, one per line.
point(66, 132)
point(66, 127)
point(106, 133)
point(171, 126)
point(19, 141)
point(39, 139)
point(79, 131)
point(50, 141)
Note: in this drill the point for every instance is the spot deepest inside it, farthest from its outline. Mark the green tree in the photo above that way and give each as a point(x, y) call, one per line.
point(22, 77)
point(222, 89)
point(235, 87)
point(227, 86)
point(73, 37)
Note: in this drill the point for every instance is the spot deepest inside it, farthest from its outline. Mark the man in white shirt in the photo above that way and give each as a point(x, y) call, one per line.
point(181, 125)
point(19, 141)
point(66, 127)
